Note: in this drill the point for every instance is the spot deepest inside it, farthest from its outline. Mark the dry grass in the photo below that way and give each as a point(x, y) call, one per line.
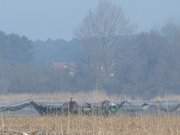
point(79, 125)
point(168, 98)
point(83, 125)
point(95, 96)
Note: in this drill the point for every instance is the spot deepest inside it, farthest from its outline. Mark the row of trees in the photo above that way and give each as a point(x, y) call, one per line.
point(122, 60)
point(107, 54)
point(15, 49)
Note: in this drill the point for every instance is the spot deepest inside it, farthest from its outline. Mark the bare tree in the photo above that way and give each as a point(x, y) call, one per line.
point(98, 34)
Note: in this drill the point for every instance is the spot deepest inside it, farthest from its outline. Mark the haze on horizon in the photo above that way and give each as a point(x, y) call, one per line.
point(39, 19)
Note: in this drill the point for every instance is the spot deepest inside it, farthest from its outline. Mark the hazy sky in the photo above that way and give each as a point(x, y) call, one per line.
point(42, 19)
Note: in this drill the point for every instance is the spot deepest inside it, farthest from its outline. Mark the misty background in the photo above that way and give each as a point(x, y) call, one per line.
point(40, 51)
point(39, 19)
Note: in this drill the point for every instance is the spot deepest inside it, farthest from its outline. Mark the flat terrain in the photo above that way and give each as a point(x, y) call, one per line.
point(79, 125)
point(82, 125)
point(95, 96)
point(60, 97)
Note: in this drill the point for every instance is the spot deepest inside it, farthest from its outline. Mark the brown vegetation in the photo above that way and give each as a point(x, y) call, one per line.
point(82, 125)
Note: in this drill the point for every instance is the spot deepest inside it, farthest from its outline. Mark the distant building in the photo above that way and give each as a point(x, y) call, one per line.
point(69, 68)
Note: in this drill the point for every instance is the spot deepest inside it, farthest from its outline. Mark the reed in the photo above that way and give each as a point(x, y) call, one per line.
point(91, 125)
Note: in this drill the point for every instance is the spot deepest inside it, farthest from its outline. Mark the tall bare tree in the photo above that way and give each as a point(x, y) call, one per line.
point(98, 34)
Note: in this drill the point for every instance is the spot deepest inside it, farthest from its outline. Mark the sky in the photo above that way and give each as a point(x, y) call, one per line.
point(43, 19)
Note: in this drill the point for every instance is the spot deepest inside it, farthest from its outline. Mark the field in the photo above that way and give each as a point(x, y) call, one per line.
point(83, 125)
point(94, 96)
point(79, 125)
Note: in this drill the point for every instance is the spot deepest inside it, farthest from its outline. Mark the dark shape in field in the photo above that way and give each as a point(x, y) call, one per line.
point(46, 109)
point(104, 108)
point(70, 107)
point(87, 109)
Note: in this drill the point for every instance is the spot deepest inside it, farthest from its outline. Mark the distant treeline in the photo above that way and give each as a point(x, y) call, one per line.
point(144, 64)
